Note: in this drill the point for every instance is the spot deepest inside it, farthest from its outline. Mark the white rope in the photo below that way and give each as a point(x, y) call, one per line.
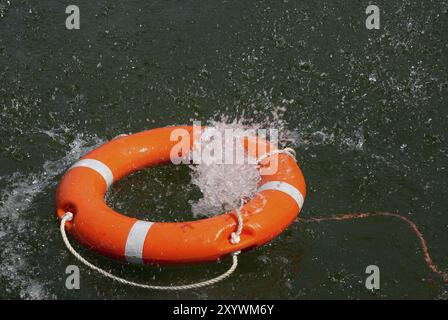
point(289, 151)
point(120, 136)
point(68, 216)
point(235, 236)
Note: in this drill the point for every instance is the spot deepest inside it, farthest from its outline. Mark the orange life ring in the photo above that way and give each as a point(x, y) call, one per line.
point(81, 191)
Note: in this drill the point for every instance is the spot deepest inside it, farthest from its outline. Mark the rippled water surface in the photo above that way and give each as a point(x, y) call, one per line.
point(367, 110)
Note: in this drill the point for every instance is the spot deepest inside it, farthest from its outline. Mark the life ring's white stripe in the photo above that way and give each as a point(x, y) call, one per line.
point(99, 167)
point(285, 187)
point(136, 241)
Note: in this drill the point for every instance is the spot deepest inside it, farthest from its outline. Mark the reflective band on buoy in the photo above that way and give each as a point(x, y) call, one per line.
point(99, 227)
point(136, 240)
point(99, 167)
point(286, 188)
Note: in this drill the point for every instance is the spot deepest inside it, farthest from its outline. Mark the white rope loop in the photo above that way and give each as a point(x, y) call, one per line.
point(68, 216)
point(235, 237)
point(289, 151)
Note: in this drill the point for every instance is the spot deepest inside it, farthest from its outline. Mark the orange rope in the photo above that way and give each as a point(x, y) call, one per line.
point(434, 268)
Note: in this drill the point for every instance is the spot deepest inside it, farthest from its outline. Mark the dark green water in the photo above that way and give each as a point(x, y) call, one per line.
point(369, 108)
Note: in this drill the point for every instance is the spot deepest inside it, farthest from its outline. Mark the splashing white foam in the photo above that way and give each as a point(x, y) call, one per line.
point(16, 230)
point(223, 185)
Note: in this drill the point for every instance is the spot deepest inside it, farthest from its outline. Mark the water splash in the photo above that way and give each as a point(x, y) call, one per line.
point(224, 185)
point(17, 229)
